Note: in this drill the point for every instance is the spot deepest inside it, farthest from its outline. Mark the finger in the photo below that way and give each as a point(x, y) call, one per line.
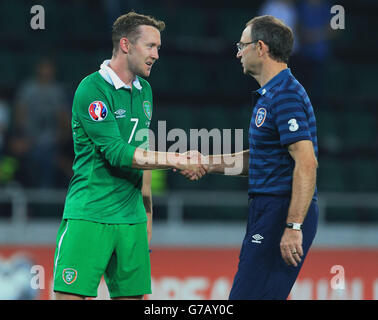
point(292, 261)
point(187, 173)
point(189, 176)
point(198, 174)
point(287, 255)
point(284, 254)
point(199, 169)
point(299, 253)
point(194, 178)
point(300, 250)
point(293, 256)
point(296, 257)
point(203, 171)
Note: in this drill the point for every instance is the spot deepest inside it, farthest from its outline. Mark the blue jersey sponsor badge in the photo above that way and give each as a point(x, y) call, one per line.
point(260, 117)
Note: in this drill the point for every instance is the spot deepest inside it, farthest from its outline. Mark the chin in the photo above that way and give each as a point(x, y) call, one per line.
point(145, 74)
point(142, 72)
point(249, 72)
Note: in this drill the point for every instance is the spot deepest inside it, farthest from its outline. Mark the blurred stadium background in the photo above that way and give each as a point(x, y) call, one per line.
point(197, 83)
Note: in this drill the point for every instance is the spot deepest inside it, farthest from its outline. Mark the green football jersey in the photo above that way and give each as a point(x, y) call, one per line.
point(105, 122)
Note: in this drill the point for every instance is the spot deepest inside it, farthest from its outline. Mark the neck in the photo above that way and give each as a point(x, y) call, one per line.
point(269, 71)
point(120, 67)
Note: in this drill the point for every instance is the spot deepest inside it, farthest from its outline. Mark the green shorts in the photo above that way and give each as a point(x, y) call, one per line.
point(86, 250)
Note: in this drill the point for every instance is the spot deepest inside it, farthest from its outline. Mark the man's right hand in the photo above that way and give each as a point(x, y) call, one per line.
point(192, 165)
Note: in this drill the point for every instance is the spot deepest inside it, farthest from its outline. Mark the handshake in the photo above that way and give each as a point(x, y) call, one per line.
point(192, 165)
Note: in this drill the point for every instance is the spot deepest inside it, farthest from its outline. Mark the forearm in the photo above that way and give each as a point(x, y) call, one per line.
point(147, 201)
point(148, 206)
point(303, 187)
point(149, 160)
point(230, 164)
point(149, 227)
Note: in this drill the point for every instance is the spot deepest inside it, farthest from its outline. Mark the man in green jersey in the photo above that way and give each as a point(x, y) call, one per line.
point(108, 207)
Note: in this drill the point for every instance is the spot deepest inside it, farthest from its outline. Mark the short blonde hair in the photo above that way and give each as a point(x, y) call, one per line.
point(128, 24)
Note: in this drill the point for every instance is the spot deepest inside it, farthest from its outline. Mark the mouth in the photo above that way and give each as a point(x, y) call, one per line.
point(149, 64)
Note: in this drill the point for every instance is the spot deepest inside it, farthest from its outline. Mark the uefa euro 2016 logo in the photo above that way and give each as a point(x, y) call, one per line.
point(98, 110)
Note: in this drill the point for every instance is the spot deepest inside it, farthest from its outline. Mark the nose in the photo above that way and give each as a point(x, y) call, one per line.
point(238, 54)
point(155, 54)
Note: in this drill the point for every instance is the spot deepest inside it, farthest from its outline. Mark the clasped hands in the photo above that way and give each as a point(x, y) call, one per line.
point(192, 165)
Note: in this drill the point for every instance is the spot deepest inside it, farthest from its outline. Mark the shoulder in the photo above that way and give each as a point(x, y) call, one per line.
point(289, 91)
point(90, 89)
point(289, 98)
point(90, 82)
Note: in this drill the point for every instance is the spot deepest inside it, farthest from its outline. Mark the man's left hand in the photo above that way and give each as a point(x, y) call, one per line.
point(291, 246)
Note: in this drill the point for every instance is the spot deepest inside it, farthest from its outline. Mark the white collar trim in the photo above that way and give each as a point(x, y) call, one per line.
point(110, 76)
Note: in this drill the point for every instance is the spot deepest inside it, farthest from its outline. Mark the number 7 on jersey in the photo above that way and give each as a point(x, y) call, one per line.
point(136, 120)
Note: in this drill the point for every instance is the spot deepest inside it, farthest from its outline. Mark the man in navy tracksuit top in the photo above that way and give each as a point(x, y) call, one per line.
point(283, 210)
point(281, 164)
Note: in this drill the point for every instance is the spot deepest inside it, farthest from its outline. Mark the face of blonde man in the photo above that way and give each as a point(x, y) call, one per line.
point(144, 52)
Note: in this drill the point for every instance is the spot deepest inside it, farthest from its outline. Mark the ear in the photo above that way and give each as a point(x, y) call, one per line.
point(262, 48)
point(124, 44)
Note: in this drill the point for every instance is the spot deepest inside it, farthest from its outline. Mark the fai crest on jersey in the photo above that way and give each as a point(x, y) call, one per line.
point(260, 117)
point(98, 110)
point(69, 275)
point(147, 109)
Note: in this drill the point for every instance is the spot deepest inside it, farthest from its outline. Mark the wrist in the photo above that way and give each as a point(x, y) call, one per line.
point(216, 164)
point(175, 160)
point(209, 162)
point(294, 226)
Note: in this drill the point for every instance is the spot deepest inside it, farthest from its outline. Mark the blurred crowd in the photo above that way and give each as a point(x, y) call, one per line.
point(36, 148)
point(310, 22)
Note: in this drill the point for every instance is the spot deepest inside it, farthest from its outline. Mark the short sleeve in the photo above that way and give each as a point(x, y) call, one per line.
point(291, 118)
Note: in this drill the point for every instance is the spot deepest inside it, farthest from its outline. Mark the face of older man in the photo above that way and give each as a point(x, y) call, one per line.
point(248, 54)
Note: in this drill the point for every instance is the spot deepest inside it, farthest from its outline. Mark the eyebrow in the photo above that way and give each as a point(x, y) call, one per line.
point(153, 44)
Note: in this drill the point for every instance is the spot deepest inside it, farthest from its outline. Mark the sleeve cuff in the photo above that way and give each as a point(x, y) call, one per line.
point(288, 142)
point(128, 155)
